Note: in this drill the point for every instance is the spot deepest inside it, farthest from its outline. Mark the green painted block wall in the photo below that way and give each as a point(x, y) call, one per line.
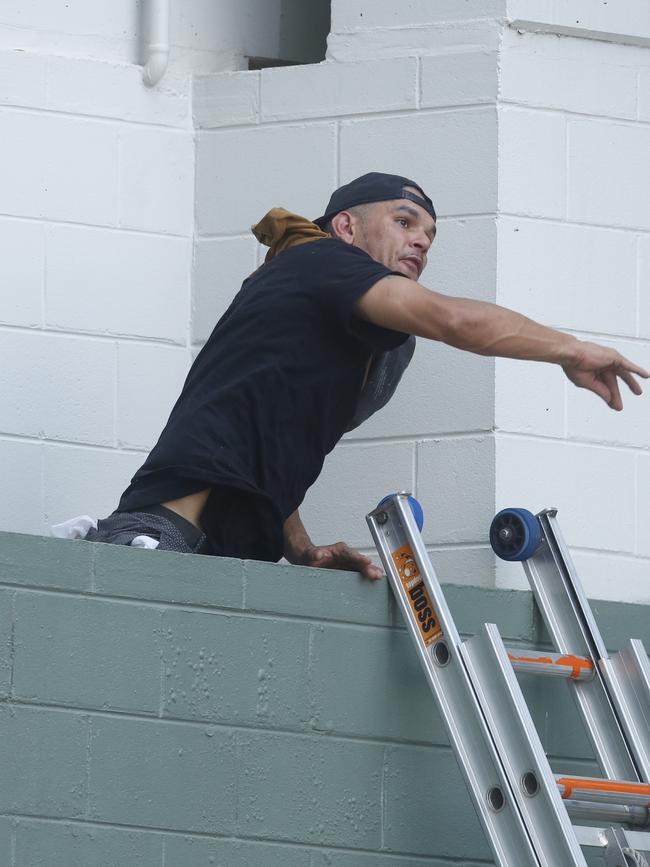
point(168, 710)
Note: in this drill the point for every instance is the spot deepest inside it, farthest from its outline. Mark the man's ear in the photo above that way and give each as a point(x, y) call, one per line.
point(343, 226)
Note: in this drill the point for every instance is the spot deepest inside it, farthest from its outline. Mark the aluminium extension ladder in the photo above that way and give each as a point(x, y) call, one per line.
point(525, 809)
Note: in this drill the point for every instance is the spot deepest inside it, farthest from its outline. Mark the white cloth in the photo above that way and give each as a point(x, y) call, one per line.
point(74, 528)
point(77, 528)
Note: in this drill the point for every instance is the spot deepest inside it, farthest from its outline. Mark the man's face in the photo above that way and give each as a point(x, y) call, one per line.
point(397, 233)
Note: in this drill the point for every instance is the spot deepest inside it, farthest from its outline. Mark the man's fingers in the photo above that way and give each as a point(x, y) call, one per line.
point(341, 556)
point(611, 381)
point(630, 381)
point(631, 367)
point(593, 383)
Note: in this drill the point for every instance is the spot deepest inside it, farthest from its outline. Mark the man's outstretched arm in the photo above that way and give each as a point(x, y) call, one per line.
point(487, 329)
point(301, 551)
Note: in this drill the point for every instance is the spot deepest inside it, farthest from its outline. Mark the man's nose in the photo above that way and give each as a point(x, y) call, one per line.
point(422, 241)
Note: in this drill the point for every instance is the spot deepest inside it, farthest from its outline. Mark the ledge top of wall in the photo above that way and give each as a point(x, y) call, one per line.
point(627, 24)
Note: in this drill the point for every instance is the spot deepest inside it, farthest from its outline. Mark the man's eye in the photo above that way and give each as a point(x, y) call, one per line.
point(403, 222)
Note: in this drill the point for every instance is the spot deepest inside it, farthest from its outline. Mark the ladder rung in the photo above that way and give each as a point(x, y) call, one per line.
point(604, 791)
point(553, 664)
point(619, 814)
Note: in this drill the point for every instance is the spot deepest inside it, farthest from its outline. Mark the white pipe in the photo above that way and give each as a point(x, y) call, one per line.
point(157, 44)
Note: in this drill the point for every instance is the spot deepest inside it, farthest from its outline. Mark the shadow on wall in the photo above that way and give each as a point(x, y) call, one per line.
point(304, 28)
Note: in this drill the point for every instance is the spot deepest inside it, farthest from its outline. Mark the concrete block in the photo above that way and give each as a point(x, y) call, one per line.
point(354, 479)
point(618, 577)
point(43, 753)
point(618, 621)
point(63, 371)
point(87, 653)
point(455, 485)
point(644, 276)
point(106, 17)
point(35, 561)
point(644, 94)
point(462, 177)
point(41, 843)
point(198, 852)
point(114, 90)
point(565, 275)
point(333, 89)
point(23, 475)
point(355, 14)
point(444, 37)
point(235, 670)
point(535, 69)
point(430, 779)
point(589, 417)
point(532, 163)
point(22, 248)
point(84, 481)
point(164, 576)
point(559, 724)
point(331, 858)
point(460, 79)
point(220, 267)
point(140, 282)
point(6, 832)
point(511, 610)
point(643, 506)
point(530, 398)
point(467, 566)
point(579, 480)
point(225, 99)
point(162, 775)
point(427, 399)
point(24, 77)
point(6, 646)
point(609, 175)
point(330, 789)
point(462, 260)
point(157, 180)
point(323, 594)
point(74, 178)
point(149, 380)
point(389, 698)
point(235, 193)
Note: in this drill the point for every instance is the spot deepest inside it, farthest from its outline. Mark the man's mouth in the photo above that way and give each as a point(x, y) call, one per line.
point(414, 263)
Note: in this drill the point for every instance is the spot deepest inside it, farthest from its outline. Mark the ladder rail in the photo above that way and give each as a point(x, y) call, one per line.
point(573, 630)
point(518, 743)
point(627, 674)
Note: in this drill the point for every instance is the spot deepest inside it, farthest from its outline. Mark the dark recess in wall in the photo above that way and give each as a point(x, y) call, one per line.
point(304, 28)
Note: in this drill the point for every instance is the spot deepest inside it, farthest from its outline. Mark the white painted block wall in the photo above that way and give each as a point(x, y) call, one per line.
point(124, 233)
point(573, 225)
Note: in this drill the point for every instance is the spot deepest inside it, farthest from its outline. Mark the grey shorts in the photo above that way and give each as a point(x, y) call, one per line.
point(121, 528)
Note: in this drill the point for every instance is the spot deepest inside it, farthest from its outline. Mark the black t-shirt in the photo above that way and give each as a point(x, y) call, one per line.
point(268, 396)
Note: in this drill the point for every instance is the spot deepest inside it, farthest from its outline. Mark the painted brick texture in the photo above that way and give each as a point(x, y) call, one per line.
point(166, 709)
point(572, 235)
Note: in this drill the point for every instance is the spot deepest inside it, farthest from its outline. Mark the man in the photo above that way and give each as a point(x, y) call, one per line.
point(285, 371)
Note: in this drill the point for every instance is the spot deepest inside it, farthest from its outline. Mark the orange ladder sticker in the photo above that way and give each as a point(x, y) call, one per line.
point(416, 592)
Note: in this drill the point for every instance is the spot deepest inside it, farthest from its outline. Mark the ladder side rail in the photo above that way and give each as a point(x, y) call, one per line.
point(394, 530)
point(628, 674)
point(520, 748)
point(572, 584)
point(572, 629)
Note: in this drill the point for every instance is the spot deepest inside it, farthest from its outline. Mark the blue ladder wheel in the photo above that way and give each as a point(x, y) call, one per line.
point(416, 508)
point(515, 534)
